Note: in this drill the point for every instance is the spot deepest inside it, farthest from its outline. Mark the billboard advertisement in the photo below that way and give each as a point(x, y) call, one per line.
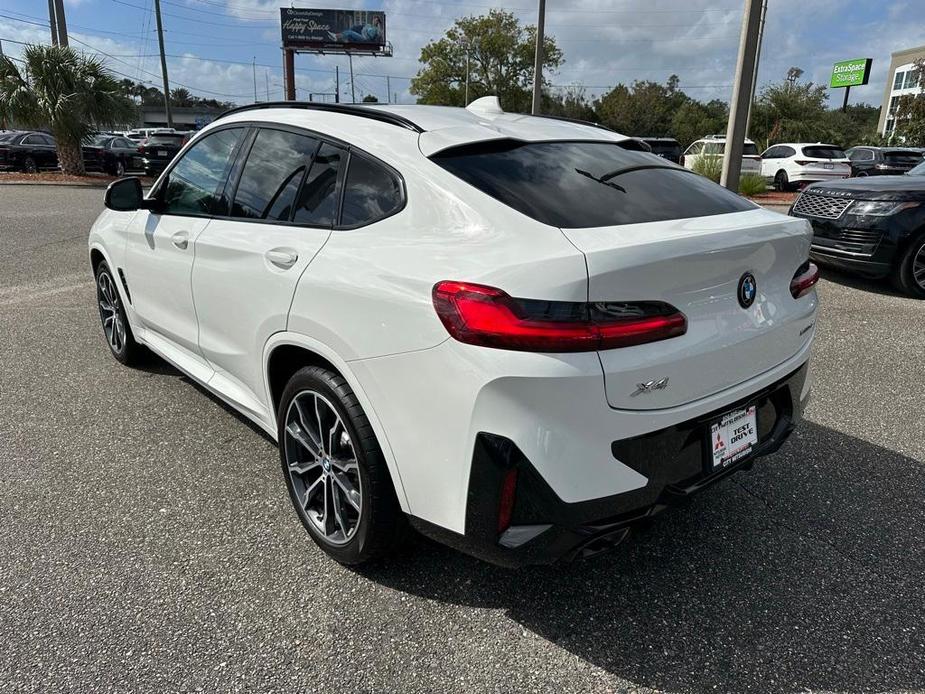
point(354, 30)
point(851, 73)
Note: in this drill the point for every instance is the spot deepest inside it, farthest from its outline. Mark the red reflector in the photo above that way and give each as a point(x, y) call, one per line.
point(506, 500)
point(804, 280)
point(485, 316)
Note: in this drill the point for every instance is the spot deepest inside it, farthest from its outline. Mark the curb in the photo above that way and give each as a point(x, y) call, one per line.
point(70, 184)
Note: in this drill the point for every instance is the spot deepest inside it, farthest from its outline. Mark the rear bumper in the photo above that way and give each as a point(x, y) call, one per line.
point(545, 529)
point(816, 176)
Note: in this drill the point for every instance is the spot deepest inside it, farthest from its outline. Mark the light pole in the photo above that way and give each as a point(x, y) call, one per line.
point(538, 60)
point(741, 96)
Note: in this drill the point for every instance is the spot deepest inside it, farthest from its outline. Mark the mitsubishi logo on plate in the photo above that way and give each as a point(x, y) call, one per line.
point(748, 290)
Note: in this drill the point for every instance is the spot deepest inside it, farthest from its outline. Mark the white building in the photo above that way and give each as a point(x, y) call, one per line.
point(902, 80)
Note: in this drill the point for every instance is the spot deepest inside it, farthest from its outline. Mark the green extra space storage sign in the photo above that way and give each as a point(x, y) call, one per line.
point(851, 73)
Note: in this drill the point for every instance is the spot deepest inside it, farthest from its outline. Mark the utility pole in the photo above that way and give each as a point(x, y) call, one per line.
point(62, 23)
point(388, 89)
point(160, 42)
point(254, 66)
point(466, 97)
point(336, 84)
point(538, 61)
point(52, 22)
point(751, 103)
point(741, 96)
point(267, 77)
point(353, 93)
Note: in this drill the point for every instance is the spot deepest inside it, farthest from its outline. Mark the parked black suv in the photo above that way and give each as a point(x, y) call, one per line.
point(665, 147)
point(872, 226)
point(882, 161)
point(27, 151)
point(158, 151)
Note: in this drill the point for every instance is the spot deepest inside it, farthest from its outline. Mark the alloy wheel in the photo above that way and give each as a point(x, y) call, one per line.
point(918, 267)
point(111, 312)
point(323, 467)
point(30, 166)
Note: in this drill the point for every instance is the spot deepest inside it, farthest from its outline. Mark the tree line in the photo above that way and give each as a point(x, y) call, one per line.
point(498, 50)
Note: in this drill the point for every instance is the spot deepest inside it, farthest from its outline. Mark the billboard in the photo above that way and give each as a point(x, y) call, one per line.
point(851, 73)
point(354, 30)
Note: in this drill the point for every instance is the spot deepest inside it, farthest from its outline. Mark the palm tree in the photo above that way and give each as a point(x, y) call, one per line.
point(69, 93)
point(181, 97)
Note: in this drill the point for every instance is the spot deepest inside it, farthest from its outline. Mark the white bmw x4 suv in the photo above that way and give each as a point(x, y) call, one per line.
point(519, 335)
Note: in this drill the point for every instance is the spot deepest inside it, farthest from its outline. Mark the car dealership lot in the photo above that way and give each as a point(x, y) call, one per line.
point(147, 543)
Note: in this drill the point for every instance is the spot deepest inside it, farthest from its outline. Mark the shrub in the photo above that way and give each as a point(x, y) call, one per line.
point(709, 166)
point(752, 184)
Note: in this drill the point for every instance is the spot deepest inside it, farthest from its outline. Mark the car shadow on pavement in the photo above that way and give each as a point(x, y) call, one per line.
point(807, 573)
point(866, 284)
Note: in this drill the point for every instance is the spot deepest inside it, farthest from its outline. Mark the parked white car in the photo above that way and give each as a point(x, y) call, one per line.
point(792, 164)
point(517, 334)
point(714, 146)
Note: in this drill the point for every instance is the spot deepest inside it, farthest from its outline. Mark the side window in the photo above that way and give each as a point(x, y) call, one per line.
point(784, 152)
point(317, 203)
point(31, 140)
point(50, 141)
point(272, 174)
point(371, 192)
point(694, 148)
point(192, 186)
point(771, 153)
point(713, 148)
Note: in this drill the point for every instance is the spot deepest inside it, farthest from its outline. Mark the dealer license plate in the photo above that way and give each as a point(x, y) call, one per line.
point(162, 152)
point(733, 436)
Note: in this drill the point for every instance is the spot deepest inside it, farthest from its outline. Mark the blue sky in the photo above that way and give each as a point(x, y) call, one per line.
point(212, 43)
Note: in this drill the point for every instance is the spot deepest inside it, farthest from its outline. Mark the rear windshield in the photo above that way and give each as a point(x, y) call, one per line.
point(904, 158)
point(587, 184)
point(166, 139)
point(823, 152)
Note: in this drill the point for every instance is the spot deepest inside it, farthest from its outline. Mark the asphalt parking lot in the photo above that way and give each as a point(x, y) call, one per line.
point(147, 542)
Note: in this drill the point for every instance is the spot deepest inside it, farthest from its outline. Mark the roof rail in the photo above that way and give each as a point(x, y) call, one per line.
point(347, 109)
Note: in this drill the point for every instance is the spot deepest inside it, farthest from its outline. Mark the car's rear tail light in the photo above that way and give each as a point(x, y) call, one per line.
point(802, 162)
point(804, 280)
point(506, 499)
point(485, 316)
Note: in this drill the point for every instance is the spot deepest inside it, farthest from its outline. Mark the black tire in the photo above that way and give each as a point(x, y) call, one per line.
point(122, 346)
point(904, 276)
point(862, 173)
point(381, 525)
point(29, 165)
point(782, 181)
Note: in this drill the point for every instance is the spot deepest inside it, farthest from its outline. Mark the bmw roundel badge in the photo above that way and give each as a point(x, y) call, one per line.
point(748, 290)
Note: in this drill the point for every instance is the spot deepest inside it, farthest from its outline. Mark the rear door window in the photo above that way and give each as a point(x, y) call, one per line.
point(271, 176)
point(371, 192)
point(587, 184)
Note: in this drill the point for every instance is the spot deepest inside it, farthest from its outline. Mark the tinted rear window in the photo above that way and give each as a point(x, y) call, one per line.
point(903, 158)
point(822, 152)
point(587, 184)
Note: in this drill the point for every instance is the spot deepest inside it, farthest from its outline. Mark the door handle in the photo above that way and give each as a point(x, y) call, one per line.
point(180, 240)
point(283, 258)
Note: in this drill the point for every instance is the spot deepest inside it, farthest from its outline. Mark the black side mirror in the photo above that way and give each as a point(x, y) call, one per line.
point(124, 195)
